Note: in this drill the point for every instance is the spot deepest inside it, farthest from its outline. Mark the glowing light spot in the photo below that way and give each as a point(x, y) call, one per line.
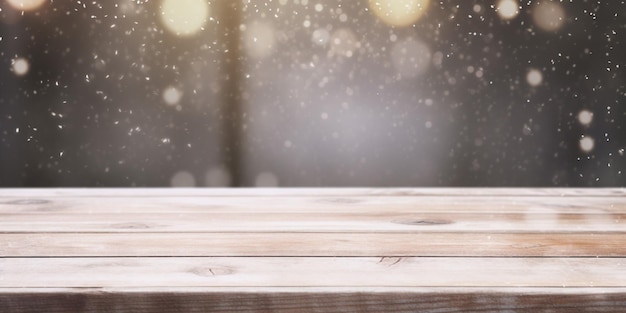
point(343, 42)
point(585, 117)
point(411, 57)
point(534, 77)
point(184, 17)
point(260, 40)
point(320, 36)
point(26, 5)
point(128, 7)
point(548, 16)
point(20, 66)
point(266, 179)
point(171, 95)
point(183, 179)
point(587, 144)
point(399, 12)
point(507, 9)
point(217, 176)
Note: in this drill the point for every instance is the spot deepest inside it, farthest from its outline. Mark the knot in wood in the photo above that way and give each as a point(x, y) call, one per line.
point(209, 271)
point(28, 201)
point(421, 222)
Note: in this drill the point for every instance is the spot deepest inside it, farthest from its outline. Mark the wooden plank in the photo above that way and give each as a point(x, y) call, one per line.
point(325, 290)
point(84, 204)
point(311, 272)
point(313, 222)
point(312, 244)
point(312, 250)
point(316, 300)
point(311, 192)
point(200, 204)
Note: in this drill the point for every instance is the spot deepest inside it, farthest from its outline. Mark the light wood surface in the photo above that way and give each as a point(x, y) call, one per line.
point(313, 244)
point(312, 250)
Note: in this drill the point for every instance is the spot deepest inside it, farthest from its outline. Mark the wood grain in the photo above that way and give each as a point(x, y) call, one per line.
point(168, 203)
point(312, 271)
point(312, 244)
point(313, 222)
point(312, 192)
point(348, 300)
point(313, 250)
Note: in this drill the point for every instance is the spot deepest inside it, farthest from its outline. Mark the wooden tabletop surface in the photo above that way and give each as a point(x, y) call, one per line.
point(312, 250)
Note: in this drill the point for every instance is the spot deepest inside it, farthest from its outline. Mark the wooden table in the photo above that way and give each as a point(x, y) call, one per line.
point(312, 250)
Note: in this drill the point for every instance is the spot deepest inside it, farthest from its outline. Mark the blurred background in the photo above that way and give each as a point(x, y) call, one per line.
point(312, 93)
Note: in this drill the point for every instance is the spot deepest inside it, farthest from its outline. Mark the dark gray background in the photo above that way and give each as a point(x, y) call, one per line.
point(302, 111)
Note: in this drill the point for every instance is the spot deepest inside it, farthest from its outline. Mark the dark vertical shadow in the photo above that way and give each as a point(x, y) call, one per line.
point(231, 72)
point(24, 110)
point(10, 148)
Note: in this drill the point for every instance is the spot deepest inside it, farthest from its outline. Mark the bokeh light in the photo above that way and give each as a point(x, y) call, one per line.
point(26, 5)
point(585, 117)
point(587, 144)
point(399, 12)
point(184, 17)
point(217, 176)
point(548, 15)
point(507, 9)
point(534, 77)
point(172, 95)
point(260, 39)
point(411, 57)
point(343, 42)
point(20, 66)
point(320, 37)
point(183, 179)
